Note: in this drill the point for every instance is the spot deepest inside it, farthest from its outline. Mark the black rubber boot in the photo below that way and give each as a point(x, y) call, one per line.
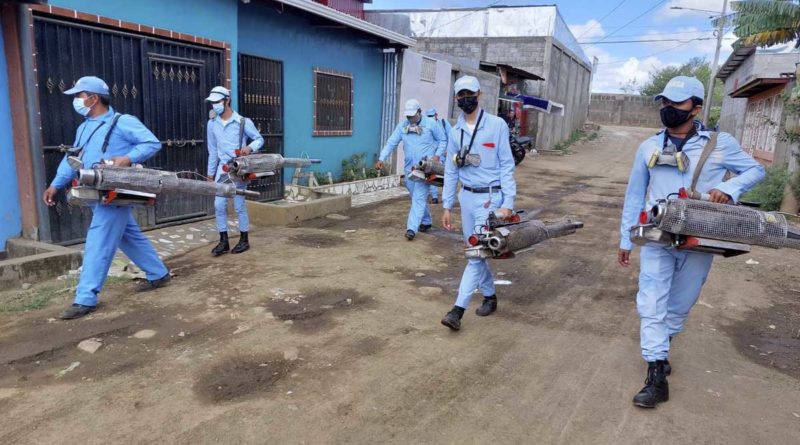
point(488, 306)
point(242, 245)
point(656, 388)
point(452, 319)
point(223, 246)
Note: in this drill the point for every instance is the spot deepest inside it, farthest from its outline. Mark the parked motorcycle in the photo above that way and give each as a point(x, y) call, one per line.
point(520, 146)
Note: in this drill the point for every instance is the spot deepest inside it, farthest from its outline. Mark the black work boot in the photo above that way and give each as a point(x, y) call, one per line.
point(435, 201)
point(242, 245)
point(667, 367)
point(148, 285)
point(488, 306)
point(410, 235)
point(452, 319)
point(76, 311)
point(424, 227)
point(656, 388)
point(223, 246)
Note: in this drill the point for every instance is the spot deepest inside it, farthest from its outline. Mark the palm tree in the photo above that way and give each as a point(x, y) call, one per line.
point(765, 22)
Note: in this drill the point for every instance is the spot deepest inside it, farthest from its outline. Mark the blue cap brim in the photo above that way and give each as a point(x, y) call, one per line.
point(675, 98)
point(73, 90)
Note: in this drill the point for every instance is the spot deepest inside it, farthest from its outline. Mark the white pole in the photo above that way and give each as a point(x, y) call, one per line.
point(712, 77)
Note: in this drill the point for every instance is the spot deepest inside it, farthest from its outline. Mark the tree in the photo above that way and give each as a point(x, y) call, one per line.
point(696, 67)
point(630, 87)
point(765, 22)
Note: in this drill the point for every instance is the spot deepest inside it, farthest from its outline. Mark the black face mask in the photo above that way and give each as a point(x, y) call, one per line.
point(468, 104)
point(672, 117)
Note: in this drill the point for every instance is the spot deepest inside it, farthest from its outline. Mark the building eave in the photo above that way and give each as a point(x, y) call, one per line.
point(350, 21)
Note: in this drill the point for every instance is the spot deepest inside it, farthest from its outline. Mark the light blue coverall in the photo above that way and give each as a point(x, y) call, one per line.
point(415, 147)
point(446, 128)
point(670, 280)
point(496, 169)
point(112, 226)
point(223, 141)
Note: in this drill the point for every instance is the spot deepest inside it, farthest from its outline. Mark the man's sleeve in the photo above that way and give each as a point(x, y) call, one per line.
point(450, 175)
point(257, 141)
point(439, 137)
point(634, 198)
point(392, 143)
point(145, 143)
point(749, 171)
point(507, 165)
point(211, 145)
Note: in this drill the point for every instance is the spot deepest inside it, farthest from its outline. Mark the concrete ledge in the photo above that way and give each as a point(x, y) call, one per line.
point(31, 260)
point(313, 205)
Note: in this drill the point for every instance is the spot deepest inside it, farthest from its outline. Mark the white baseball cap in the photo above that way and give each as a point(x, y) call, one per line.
point(411, 108)
point(469, 83)
point(217, 94)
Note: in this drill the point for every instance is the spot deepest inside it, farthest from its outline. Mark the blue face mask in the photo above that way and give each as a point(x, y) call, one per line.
point(218, 108)
point(80, 107)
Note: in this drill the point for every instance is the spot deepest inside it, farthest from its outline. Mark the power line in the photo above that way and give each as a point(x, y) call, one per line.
point(647, 41)
point(601, 20)
point(634, 19)
point(643, 57)
point(656, 34)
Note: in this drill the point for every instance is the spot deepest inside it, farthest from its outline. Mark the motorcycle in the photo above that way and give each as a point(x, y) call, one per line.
point(520, 146)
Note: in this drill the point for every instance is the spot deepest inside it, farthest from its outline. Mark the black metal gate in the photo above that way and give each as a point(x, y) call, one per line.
point(261, 100)
point(161, 82)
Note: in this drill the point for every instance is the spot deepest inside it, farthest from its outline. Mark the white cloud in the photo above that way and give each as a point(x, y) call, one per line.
point(613, 73)
point(588, 31)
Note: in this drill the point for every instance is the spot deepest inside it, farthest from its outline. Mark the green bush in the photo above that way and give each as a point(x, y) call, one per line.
point(713, 116)
point(769, 192)
point(355, 168)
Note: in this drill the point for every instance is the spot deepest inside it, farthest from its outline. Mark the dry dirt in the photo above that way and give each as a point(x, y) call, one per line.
point(318, 335)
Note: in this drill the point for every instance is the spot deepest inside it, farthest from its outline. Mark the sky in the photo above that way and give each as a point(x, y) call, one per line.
point(688, 33)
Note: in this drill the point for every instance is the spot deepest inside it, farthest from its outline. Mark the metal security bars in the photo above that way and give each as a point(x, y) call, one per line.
point(428, 70)
point(333, 103)
point(261, 100)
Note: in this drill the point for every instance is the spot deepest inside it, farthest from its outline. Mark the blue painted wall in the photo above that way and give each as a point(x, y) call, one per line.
point(212, 19)
point(291, 38)
point(10, 222)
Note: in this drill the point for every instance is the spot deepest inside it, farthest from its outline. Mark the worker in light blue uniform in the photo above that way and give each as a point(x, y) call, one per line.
point(446, 127)
point(670, 280)
point(228, 132)
point(112, 227)
point(478, 155)
point(421, 137)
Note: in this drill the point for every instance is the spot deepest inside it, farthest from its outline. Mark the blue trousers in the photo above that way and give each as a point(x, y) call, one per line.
point(669, 284)
point(434, 192)
point(113, 227)
point(475, 209)
point(221, 208)
point(419, 213)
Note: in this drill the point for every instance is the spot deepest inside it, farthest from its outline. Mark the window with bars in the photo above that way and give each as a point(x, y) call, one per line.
point(333, 103)
point(428, 70)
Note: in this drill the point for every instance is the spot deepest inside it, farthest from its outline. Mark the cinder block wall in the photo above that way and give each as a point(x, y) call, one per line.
point(625, 110)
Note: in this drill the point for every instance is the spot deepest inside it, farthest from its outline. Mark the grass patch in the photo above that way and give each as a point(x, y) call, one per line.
point(39, 297)
point(769, 192)
point(574, 138)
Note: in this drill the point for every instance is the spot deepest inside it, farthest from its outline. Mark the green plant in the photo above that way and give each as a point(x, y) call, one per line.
point(575, 137)
point(355, 168)
point(769, 192)
point(713, 116)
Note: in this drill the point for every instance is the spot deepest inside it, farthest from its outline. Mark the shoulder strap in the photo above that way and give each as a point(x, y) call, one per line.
point(241, 131)
point(710, 145)
point(108, 135)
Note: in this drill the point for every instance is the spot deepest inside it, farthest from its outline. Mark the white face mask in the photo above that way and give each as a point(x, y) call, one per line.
point(80, 106)
point(218, 108)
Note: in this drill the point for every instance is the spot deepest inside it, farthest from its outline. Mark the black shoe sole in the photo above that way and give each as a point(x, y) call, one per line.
point(234, 251)
point(644, 405)
point(452, 327)
point(220, 253)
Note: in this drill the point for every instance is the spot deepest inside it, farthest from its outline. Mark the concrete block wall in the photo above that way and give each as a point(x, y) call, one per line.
point(625, 110)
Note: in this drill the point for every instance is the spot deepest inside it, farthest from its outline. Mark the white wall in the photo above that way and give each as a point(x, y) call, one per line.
point(429, 94)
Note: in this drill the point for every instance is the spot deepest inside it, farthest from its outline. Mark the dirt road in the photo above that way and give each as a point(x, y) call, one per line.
point(329, 333)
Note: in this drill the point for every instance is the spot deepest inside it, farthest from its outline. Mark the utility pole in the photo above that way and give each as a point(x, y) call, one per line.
point(713, 76)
